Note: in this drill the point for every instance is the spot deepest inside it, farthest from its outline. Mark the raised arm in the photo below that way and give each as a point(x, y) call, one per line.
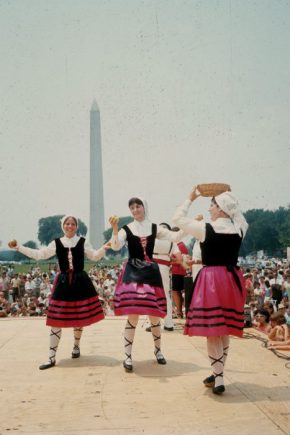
point(118, 238)
point(37, 254)
point(171, 236)
point(191, 226)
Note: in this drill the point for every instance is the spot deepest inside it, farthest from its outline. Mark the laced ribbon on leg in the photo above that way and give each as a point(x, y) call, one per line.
point(129, 334)
point(156, 334)
point(226, 345)
point(77, 336)
point(216, 356)
point(55, 335)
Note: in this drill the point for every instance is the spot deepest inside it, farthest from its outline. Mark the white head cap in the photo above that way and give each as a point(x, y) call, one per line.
point(145, 205)
point(64, 218)
point(230, 205)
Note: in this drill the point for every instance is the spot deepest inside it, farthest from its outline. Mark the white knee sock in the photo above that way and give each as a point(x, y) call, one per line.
point(156, 334)
point(77, 336)
point(226, 345)
point(216, 357)
point(129, 334)
point(54, 337)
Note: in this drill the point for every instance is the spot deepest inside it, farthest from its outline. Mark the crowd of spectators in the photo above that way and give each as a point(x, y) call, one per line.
point(27, 294)
point(267, 307)
point(266, 310)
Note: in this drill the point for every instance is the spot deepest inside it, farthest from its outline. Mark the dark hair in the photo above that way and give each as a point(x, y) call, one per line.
point(279, 318)
point(135, 200)
point(264, 313)
point(72, 217)
point(164, 224)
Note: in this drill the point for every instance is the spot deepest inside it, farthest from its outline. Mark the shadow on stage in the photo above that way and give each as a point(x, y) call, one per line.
point(150, 368)
point(88, 361)
point(144, 368)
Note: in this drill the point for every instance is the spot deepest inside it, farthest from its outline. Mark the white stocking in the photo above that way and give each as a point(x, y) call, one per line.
point(226, 345)
point(77, 336)
point(54, 337)
point(216, 356)
point(129, 334)
point(156, 334)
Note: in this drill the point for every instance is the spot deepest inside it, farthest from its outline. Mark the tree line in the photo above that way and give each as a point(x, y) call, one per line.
point(269, 230)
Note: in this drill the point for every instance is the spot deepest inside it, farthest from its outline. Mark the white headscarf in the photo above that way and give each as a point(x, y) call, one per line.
point(145, 205)
point(64, 218)
point(142, 228)
point(230, 205)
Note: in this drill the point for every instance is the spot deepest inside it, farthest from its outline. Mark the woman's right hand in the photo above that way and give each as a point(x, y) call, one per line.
point(113, 220)
point(194, 193)
point(13, 244)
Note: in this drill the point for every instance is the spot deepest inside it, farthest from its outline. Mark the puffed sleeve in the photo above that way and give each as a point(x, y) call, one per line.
point(94, 254)
point(39, 254)
point(171, 236)
point(118, 240)
point(188, 225)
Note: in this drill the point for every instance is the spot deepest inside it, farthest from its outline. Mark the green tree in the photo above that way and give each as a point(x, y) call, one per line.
point(269, 230)
point(49, 228)
point(30, 244)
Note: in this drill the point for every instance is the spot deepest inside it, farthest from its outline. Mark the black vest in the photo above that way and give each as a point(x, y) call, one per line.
point(134, 244)
point(78, 255)
point(220, 249)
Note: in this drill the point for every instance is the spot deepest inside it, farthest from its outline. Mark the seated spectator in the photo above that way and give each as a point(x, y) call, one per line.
point(261, 321)
point(4, 305)
point(269, 307)
point(279, 329)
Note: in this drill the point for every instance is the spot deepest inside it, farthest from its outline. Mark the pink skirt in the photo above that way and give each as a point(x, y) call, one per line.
point(217, 305)
point(74, 314)
point(136, 298)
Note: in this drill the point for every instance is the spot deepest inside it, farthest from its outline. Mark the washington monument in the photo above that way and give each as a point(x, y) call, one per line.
point(97, 224)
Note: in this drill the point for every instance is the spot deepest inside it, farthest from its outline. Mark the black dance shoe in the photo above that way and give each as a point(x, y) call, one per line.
point(161, 360)
point(127, 367)
point(47, 365)
point(76, 352)
point(168, 328)
point(209, 382)
point(218, 390)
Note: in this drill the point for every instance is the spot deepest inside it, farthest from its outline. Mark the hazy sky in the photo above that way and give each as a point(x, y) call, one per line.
point(189, 91)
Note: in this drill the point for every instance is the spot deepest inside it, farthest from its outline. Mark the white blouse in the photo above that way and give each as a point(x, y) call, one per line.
point(50, 250)
point(144, 229)
point(197, 228)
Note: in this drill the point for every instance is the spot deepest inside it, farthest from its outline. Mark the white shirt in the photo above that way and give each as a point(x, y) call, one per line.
point(163, 249)
point(50, 250)
point(197, 228)
point(144, 229)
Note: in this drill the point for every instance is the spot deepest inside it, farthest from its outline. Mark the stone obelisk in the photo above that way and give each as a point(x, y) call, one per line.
point(97, 223)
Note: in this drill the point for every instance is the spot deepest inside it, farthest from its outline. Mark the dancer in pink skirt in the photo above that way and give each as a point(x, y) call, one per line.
point(139, 290)
point(217, 305)
point(74, 302)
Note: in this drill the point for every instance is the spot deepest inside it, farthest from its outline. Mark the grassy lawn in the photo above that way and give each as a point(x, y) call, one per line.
point(44, 265)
